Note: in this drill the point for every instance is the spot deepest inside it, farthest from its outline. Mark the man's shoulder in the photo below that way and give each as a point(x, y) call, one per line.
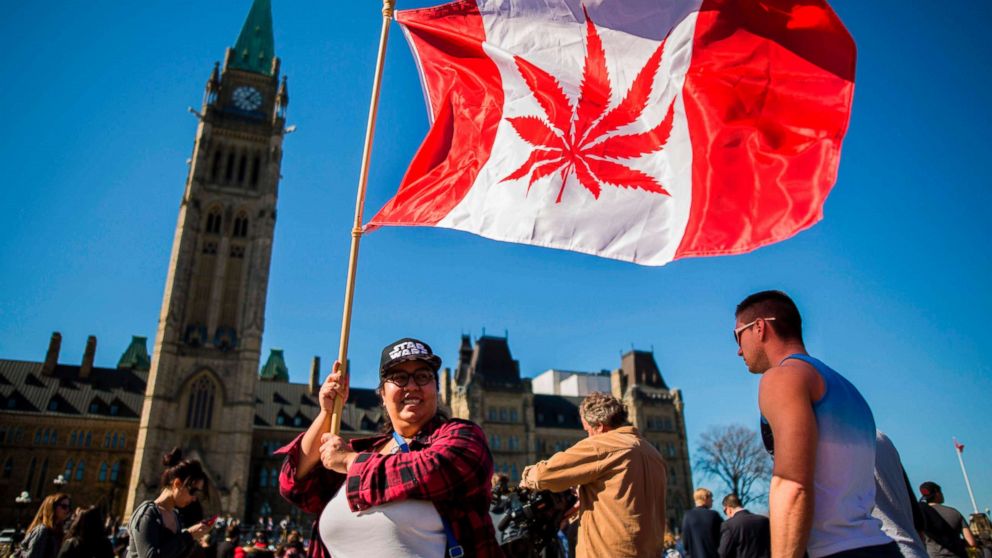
point(701, 514)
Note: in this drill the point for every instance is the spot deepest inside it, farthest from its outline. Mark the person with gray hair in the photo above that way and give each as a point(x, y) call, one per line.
point(621, 479)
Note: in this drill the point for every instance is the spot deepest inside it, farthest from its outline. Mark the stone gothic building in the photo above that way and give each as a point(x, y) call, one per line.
point(99, 433)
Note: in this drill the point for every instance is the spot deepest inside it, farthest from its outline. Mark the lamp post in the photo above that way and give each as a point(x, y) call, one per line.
point(22, 500)
point(60, 482)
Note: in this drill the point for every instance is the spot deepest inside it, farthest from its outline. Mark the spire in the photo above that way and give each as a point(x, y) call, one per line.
point(255, 49)
point(135, 357)
point(275, 369)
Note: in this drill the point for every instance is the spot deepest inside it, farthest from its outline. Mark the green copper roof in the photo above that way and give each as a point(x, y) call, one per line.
point(136, 355)
point(255, 47)
point(275, 369)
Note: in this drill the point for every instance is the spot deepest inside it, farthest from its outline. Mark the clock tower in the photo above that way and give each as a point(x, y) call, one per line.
point(201, 388)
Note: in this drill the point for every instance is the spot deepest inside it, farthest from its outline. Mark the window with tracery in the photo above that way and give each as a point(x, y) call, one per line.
point(213, 222)
point(241, 226)
point(199, 415)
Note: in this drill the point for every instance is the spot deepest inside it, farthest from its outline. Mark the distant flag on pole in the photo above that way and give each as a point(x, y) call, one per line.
point(637, 130)
point(958, 445)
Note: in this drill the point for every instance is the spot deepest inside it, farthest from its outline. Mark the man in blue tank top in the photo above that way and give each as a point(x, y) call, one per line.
point(821, 434)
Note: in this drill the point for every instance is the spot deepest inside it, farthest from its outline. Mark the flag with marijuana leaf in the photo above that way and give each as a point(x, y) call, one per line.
point(641, 130)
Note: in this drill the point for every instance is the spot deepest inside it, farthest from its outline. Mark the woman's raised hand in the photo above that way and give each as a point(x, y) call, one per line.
point(335, 386)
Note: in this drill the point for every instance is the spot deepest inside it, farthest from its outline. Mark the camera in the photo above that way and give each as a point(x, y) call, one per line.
point(527, 521)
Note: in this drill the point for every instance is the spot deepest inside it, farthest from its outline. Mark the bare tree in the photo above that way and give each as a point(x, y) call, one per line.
point(734, 455)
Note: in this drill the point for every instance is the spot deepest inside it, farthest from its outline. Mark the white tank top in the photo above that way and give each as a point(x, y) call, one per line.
point(844, 481)
point(401, 529)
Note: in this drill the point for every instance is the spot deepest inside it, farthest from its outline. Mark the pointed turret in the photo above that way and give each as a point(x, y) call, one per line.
point(255, 49)
point(213, 86)
point(275, 369)
point(282, 99)
point(136, 355)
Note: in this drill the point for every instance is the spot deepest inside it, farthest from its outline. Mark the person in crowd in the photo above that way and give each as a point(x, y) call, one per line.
point(701, 527)
point(621, 479)
point(672, 547)
point(743, 534)
point(421, 487)
point(821, 434)
point(232, 536)
point(945, 526)
point(44, 534)
point(902, 520)
point(155, 527)
point(86, 537)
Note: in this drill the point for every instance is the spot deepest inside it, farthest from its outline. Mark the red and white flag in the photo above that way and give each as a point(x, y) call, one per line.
point(641, 130)
point(958, 445)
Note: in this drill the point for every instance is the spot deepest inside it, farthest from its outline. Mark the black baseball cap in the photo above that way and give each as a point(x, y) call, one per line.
point(929, 490)
point(406, 349)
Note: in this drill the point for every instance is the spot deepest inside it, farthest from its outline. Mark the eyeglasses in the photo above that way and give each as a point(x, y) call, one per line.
point(401, 379)
point(193, 491)
point(64, 505)
point(738, 331)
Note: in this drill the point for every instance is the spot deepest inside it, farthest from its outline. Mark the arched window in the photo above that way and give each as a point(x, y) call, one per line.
point(27, 485)
point(215, 167)
point(255, 164)
point(115, 472)
point(263, 478)
point(114, 444)
point(200, 413)
point(240, 226)
point(242, 168)
point(43, 477)
point(121, 443)
point(89, 438)
point(229, 172)
point(68, 469)
point(73, 438)
point(213, 222)
point(8, 467)
point(106, 440)
point(102, 477)
point(80, 470)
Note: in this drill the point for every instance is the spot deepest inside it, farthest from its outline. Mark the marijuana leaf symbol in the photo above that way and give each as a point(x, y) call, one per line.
point(575, 139)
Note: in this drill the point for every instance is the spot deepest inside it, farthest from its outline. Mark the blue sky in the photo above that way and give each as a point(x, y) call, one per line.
point(893, 283)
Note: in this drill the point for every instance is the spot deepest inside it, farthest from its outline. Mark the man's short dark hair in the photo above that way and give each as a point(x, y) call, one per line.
point(788, 323)
point(732, 501)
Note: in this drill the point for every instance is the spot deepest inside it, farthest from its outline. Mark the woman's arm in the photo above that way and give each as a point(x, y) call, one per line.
point(335, 386)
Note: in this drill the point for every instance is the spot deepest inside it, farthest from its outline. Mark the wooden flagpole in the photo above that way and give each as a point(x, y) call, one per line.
point(356, 231)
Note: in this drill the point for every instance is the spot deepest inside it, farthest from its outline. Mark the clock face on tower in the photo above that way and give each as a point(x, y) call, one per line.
point(247, 98)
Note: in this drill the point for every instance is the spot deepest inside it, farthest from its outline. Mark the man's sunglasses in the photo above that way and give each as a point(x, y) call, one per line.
point(401, 379)
point(740, 330)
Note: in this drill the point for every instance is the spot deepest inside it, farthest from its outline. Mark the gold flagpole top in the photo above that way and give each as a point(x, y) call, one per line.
point(387, 8)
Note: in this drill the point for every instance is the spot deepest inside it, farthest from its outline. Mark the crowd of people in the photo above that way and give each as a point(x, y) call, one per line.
point(424, 486)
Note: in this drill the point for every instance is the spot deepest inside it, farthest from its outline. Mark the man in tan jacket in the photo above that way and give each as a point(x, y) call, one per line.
point(621, 480)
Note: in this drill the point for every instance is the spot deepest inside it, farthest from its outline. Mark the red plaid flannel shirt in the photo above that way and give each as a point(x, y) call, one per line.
point(448, 464)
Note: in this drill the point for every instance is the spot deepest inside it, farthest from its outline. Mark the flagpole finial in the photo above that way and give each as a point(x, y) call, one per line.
point(387, 8)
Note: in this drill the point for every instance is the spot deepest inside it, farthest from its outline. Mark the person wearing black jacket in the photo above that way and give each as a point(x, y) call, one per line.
point(86, 537)
point(743, 534)
point(701, 527)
